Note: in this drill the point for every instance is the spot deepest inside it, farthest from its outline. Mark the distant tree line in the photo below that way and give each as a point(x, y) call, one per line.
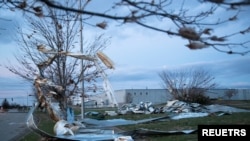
point(6, 105)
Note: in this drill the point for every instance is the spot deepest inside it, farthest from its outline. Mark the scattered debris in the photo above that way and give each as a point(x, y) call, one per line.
point(177, 106)
point(178, 109)
point(110, 113)
point(93, 123)
point(141, 108)
point(188, 115)
point(62, 127)
point(69, 132)
point(95, 115)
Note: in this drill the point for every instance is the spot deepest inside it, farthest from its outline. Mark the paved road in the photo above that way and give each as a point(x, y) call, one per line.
point(12, 125)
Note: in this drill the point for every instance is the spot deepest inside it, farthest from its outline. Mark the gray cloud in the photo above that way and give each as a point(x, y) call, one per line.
point(229, 68)
point(139, 76)
point(228, 73)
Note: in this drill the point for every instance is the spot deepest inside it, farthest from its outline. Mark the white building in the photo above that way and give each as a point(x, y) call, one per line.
point(159, 96)
point(156, 96)
point(239, 94)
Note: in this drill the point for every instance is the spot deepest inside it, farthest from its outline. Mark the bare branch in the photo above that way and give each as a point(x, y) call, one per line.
point(188, 85)
point(178, 17)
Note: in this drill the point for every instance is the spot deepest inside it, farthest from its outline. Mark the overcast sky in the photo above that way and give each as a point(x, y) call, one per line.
point(139, 54)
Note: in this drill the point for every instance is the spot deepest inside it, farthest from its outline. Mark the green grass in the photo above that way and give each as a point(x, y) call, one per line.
point(45, 124)
point(189, 123)
point(183, 124)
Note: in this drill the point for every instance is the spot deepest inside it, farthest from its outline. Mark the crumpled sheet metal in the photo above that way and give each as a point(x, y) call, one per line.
point(100, 135)
point(117, 122)
point(222, 108)
point(176, 106)
point(188, 115)
point(148, 132)
point(94, 135)
point(63, 127)
point(179, 110)
point(141, 108)
point(97, 137)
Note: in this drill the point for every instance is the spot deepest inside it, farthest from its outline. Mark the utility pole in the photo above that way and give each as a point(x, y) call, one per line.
point(81, 44)
point(27, 99)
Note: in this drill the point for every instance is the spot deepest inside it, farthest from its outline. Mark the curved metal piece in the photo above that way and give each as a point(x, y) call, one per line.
point(32, 125)
point(82, 135)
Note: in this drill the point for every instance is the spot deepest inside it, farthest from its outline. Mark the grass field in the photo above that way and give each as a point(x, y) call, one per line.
point(183, 124)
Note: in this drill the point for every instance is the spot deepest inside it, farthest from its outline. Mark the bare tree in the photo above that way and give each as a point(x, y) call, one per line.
point(230, 93)
point(188, 85)
point(41, 54)
point(199, 28)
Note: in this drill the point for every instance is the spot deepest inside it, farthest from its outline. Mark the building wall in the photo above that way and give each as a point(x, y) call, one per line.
point(120, 96)
point(159, 96)
point(241, 94)
point(156, 96)
point(101, 100)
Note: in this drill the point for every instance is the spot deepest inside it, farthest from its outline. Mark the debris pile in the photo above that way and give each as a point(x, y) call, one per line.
point(177, 106)
point(174, 106)
point(141, 108)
